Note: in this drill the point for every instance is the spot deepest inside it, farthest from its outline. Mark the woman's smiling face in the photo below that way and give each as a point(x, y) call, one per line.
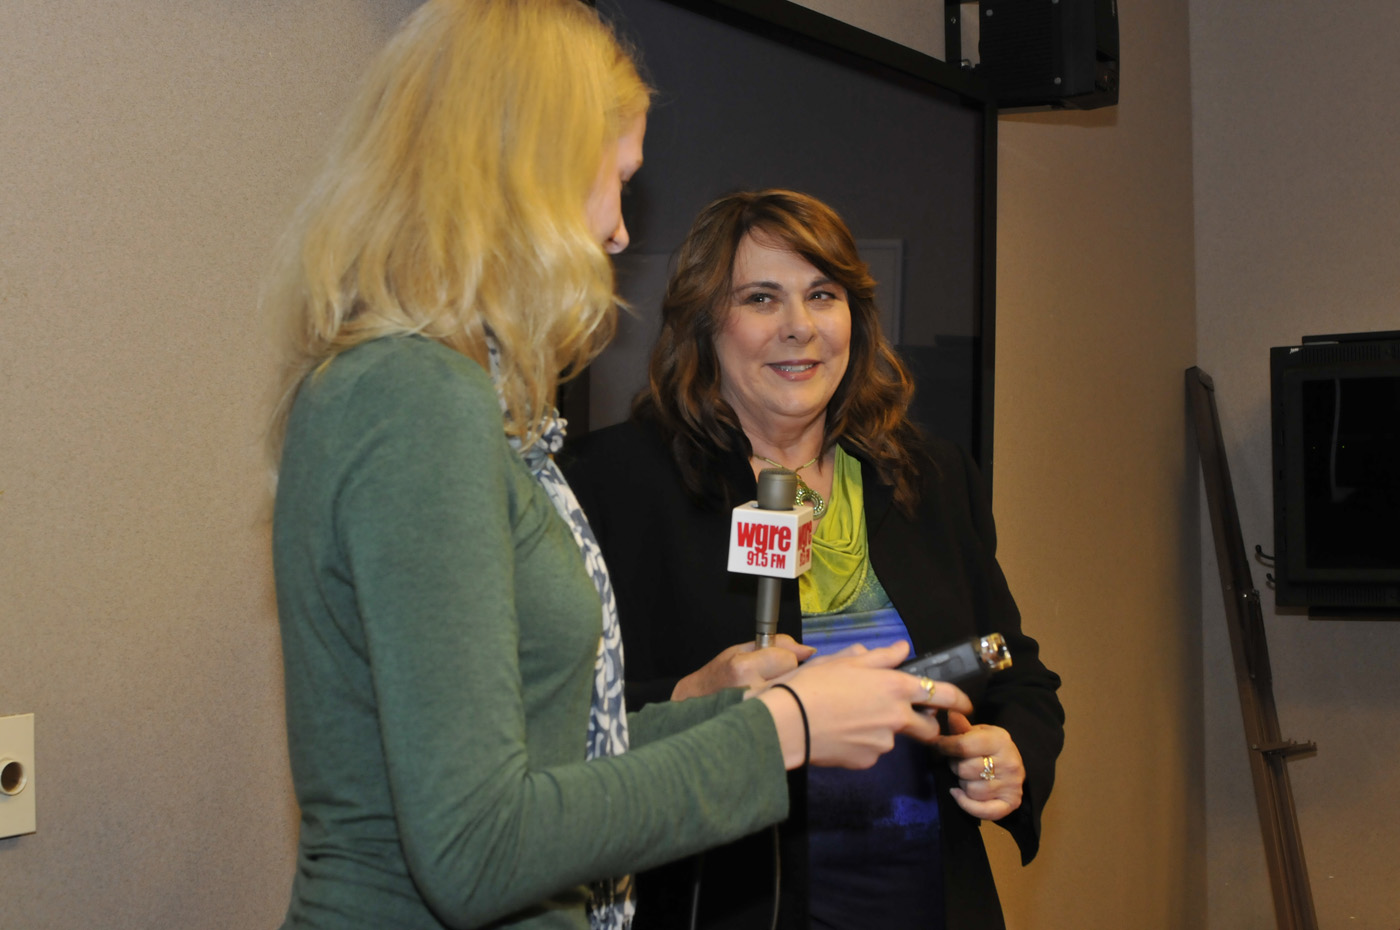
point(786, 337)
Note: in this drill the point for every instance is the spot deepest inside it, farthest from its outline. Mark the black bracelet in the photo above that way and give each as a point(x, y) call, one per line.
point(806, 730)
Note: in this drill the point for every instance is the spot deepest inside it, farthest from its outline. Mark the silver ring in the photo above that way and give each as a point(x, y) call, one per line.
point(989, 769)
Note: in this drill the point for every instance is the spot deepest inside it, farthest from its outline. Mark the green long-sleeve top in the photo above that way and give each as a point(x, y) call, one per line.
point(439, 633)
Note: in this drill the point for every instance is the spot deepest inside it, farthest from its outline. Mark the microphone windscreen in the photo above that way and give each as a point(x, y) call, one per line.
point(777, 489)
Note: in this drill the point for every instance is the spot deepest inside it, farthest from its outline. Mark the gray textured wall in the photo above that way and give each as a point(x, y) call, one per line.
point(150, 154)
point(1297, 233)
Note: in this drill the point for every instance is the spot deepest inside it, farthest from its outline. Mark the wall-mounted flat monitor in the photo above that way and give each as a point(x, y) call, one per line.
point(764, 93)
point(1336, 463)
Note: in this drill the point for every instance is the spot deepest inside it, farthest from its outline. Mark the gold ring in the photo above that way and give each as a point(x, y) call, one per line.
point(928, 685)
point(989, 769)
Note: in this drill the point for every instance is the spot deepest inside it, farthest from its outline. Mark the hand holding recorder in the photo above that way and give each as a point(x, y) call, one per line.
point(984, 758)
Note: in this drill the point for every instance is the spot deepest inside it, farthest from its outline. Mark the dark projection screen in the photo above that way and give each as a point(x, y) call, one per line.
point(775, 95)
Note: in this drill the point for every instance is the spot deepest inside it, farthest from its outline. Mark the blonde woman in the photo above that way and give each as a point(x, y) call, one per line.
point(459, 745)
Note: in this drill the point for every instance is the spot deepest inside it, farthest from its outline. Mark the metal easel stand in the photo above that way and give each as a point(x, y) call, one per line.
point(1268, 751)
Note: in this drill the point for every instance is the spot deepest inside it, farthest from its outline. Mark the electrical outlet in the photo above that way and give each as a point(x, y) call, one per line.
point(17, 808)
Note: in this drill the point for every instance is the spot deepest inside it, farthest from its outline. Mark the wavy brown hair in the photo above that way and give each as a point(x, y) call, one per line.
point(868, 413)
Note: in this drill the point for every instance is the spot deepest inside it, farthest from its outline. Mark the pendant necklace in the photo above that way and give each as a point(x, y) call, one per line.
point(804, 492)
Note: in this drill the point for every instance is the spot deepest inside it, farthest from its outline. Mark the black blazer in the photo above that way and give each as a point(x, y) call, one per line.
point(679, 606)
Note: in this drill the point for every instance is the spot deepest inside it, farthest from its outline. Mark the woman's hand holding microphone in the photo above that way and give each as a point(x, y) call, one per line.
point(744, 666)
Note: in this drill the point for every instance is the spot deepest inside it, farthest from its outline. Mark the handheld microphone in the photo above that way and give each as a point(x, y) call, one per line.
point(964, 663)
point(771, 539)
point(777, 489)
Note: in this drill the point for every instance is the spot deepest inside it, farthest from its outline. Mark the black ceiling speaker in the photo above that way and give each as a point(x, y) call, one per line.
point(1050, 53)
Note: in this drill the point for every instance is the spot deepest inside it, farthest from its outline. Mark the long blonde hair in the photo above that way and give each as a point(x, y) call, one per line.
point(452, 203)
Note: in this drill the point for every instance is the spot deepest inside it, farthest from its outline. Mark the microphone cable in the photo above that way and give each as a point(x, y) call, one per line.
point(699, 870)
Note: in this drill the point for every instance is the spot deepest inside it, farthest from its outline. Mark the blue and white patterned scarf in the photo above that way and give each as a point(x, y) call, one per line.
point(613, 904)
